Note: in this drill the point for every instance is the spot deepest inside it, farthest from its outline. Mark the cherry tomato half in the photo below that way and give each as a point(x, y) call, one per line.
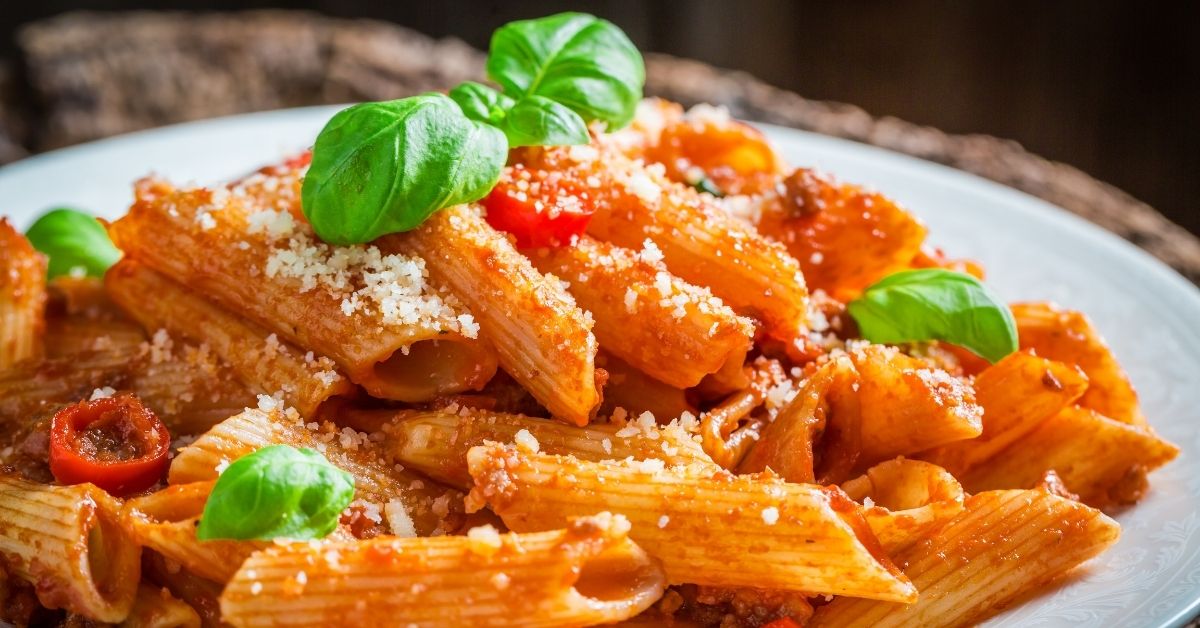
point(115, 443)
point(539, 207)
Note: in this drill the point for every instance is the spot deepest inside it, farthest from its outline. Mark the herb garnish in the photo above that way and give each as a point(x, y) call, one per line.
point(381, 168)
point(276, 492)
point(74, 242)
point(936, 304)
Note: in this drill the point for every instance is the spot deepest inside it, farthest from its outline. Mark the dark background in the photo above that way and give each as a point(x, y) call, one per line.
point(1113, 88)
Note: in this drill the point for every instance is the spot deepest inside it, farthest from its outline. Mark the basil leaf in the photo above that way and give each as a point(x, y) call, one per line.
point(705, 184)
point(384, 167)
point(936, 304)
point(575, 59)
point(276, 492)
point(539, 121)
point(482, 103)
point(73, 239)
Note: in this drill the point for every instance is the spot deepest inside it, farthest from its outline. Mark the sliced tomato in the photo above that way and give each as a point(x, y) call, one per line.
point(540, 207)
point(115, 443)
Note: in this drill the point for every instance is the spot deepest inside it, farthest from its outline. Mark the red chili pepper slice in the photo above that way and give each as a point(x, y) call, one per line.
point(539, 207)
point(115, 443)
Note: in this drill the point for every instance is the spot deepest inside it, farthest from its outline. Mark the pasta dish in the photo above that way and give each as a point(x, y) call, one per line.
point(543, 355)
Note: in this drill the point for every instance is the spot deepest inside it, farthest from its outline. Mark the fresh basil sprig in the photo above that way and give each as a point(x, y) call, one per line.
point(276, 492)
point(384, 167)
point(578, 60)
point(381, 168)
point(936, 304)
point(73, 239)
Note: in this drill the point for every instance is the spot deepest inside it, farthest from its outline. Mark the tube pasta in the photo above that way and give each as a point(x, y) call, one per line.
point(182, 384)
point(669, 329)
point(264, 266)
point(911, 499)
point(1017, 394)
point(73, 335)
point(700, 242)
point(789, 536)
point(586, 573)
point(1069, 336)
point(786, 444)
point(262, 362)
point(69, 543)
point(22, 297)
point(845, 238)
point(635, 392)
point(966, 571)
point(541, 337)
point(1102, 460)
point(165, 521)
point(155, 607)
point(429, 508)
point(436, 443)
point(907, 406)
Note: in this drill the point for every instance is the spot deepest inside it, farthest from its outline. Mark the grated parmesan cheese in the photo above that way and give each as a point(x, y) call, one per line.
point(770, 516)
point(527, 442)
point(102, 393)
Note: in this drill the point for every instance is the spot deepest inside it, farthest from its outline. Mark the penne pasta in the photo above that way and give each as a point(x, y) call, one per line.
point(412, 504)
point(906, 406)
point(436, 442)
point(699, 242)
point(587, 573)
point(541, 337)
point(22, 297)
point(906, 500)
point(165, 521)
point(673, 331)
point(155, 607)
point(1017, 394)
point(631, 391)
point(1003, 545)
point(798, 537)
point(786, 443)
point(73, 335)
point(1107, 467)
point(198, 593)
point(845, 238)
point(373, 314)
point(263, 363)
point(68, 542)
point(1069, 336)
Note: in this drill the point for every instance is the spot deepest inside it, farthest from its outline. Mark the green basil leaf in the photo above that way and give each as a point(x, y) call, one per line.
point(575, 59)
point(73, 239)
point(276, 492)
point(384, 167)
point(482, 103)
point(936, 304)
point(539, 121)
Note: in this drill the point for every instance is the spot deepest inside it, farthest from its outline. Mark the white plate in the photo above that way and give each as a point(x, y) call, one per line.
point(1032, 250)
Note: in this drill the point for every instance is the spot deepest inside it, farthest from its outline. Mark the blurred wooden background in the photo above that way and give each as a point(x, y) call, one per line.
point(1113, 88)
